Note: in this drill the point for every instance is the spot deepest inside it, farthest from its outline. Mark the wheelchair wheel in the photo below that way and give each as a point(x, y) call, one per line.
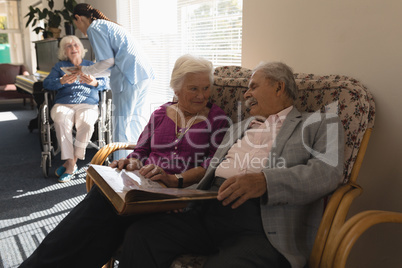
point(45, 165)
point(108, 130)
point(47, 133)
point(43, 124)
point(41, 127)
point(108, 123)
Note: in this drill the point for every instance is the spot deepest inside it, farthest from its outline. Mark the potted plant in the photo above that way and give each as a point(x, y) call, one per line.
point(52, 20)
point(67, 14)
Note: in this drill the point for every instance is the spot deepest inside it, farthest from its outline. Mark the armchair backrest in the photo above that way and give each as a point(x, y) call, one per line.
point(352, 101)
point(230, 84)
point(8, 73)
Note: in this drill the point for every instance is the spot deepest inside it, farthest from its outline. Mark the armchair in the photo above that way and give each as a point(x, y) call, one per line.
point(343, 95)
point(8, 90)
point(341, 246)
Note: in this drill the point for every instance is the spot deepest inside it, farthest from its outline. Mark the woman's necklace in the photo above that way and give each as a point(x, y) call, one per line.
point(180, 134)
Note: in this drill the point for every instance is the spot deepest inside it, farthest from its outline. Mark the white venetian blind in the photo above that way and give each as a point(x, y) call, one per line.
point(167, 29)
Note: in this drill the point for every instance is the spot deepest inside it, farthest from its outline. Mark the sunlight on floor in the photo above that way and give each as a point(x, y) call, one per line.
point(7, 116)
point(19, 237)
point(54, 187)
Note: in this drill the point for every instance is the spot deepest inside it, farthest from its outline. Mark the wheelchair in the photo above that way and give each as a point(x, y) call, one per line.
point(48, 140)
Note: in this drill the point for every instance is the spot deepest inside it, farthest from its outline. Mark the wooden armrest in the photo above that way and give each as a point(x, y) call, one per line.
point(100, 156)
point(333, 218)
point(353, 229)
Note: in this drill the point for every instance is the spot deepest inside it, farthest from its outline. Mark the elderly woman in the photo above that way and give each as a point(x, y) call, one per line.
point(181, 137)
point(175, 148)
point(76, 104)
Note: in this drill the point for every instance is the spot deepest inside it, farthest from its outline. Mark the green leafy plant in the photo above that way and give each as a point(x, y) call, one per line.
point(67, 13)
point(68, 10)
point(52, 18)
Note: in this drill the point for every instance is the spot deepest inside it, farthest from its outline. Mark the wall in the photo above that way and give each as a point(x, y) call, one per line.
point(362, 39)
point(29, 36)
point(107, 7)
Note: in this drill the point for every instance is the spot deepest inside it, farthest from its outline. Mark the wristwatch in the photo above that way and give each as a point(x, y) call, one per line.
point(179, 180)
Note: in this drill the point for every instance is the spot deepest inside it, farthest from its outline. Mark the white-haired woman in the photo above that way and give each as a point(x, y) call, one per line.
point(76, 104)
point(175, 148)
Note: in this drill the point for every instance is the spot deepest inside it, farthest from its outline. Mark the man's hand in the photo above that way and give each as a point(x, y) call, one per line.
point(241, 188)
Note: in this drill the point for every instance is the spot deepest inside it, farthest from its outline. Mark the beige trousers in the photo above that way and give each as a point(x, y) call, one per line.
point(65, 117)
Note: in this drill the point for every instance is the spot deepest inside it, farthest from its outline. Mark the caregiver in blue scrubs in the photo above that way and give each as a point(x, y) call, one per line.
point(117, 54)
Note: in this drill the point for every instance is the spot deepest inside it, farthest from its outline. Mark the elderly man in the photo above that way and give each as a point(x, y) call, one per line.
point(272, 172)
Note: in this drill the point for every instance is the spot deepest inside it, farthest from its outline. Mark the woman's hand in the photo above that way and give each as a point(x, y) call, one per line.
point(129, 164)
point(68, 79)
point(88, 79)
point(76, 70)
point(156, 173)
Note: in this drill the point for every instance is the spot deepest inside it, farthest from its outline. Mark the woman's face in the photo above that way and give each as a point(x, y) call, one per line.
point(194, 93)
point(72, 51)
point(81, 23)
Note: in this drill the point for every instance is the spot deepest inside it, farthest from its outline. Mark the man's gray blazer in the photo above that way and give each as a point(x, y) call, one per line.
point(306, 165)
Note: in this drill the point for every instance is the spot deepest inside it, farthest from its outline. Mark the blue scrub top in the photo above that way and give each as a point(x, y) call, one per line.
point(110, 40)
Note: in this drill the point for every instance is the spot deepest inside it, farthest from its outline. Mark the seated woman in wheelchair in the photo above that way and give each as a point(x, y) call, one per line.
point(76, 104)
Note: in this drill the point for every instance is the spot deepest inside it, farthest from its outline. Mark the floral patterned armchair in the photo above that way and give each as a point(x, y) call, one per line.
point(354, 105)
point(331, 93)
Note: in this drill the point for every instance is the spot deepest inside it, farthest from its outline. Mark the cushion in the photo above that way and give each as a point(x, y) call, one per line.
point(230, 84)
point(8, 73)
point(345, 96)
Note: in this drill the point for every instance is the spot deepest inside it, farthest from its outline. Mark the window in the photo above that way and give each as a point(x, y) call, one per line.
point(167, 29)
point(10, 33)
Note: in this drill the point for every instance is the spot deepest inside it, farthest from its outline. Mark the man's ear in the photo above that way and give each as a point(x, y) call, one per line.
point(281, 85)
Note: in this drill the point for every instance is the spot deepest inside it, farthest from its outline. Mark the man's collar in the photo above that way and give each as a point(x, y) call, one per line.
point(279, 117)
point(282, 114)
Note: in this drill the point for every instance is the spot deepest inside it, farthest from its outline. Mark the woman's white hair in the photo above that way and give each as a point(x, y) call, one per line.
point(189, 64)
point(67, 40)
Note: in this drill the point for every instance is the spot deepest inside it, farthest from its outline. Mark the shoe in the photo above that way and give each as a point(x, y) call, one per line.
point(59, 171)
point(65, 177)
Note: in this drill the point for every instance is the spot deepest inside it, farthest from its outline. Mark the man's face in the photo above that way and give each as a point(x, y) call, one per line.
point(262, 97)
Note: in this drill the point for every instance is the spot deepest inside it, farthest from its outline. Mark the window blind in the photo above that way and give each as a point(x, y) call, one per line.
point(167, 29)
